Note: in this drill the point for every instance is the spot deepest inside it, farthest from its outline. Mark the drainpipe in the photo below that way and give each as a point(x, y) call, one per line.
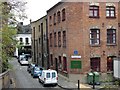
point(47, 42)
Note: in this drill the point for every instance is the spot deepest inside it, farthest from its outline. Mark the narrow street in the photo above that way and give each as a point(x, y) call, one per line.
point(23, 79)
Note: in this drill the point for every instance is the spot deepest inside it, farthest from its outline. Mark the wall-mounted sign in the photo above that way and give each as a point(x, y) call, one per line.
point(76, 64)
point(77, 57)
point(75, 52)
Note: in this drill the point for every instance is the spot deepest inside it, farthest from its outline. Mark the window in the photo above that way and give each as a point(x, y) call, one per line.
point(54, 19)
point(110, 64)
point(53, 75)
point(27, 40)
point(55, 39)
point(51, 40)
point(39, 28)
point(59, 39)
point(111, 36)
point(94, 37)
point(95, 64)
point(63, 15)
point(64, 38)
point(64, 63)
point(110, 11)
point(47, 75)
point(58, 17)
point(50, 19)
point(21, 40)
point(94, 11)
point(51, 58)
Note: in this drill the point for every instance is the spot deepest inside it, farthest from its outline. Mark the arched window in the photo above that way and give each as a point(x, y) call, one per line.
point(63, 15)
point(58, 17)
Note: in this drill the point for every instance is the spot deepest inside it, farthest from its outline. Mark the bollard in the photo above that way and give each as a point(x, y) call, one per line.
point(78, 85)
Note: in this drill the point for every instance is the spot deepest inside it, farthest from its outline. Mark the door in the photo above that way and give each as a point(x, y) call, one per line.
point(56, 64)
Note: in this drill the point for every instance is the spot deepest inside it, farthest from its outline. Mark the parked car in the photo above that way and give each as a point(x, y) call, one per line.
point(24, 61)
point(36, 71)
point(28, 55)
point(48, 77)
point(20, 57)
point(30, 66)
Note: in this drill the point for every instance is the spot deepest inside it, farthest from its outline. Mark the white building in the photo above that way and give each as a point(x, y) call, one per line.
point(24, 39)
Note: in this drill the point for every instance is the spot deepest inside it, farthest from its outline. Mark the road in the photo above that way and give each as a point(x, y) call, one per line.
point(23, 79)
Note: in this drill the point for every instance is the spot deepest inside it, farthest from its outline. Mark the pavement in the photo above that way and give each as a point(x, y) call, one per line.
point(66, 84)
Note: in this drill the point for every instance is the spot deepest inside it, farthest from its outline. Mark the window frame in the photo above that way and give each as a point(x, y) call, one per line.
point(54, 19)
point(50, 39)
point(55, 39)
point(63, 14)
point(64, 39)
point(59, 39)
point(111, 37)
point(92, 10)
point(50, 20)
point(109, 12)
point(58, 17)
point(95, 35)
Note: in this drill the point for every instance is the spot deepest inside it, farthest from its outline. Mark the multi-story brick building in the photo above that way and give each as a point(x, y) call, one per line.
point(84, 34)
point(39, 42)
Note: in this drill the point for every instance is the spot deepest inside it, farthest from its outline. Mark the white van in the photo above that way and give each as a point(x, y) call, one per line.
point(48, 77)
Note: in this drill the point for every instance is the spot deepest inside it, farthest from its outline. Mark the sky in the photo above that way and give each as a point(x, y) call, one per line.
point(36, 9)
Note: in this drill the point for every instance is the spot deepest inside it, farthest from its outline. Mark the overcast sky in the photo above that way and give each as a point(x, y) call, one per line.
point(36, 9)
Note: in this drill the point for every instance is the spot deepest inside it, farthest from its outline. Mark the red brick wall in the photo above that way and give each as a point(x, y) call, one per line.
point(77, 27)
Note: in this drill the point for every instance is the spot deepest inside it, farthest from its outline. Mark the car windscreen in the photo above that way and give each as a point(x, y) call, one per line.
point(37, 69)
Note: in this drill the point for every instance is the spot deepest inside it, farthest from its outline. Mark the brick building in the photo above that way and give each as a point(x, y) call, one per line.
point(83, 36)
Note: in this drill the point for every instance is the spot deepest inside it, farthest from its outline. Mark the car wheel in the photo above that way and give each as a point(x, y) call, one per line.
point(33, 76)
point(39, 80)
point(44, 85)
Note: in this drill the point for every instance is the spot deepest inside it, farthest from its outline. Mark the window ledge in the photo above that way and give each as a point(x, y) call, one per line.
point(111, 44)
point(93, 45)
point(94, 17)
point(110, 17)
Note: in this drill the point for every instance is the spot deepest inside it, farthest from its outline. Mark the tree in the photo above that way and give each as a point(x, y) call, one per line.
point(11, 10)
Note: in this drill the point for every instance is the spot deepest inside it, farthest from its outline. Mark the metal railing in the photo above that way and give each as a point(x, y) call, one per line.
point(5, 80)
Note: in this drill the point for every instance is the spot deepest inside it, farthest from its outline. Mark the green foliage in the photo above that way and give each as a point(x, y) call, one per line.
point(11, 10)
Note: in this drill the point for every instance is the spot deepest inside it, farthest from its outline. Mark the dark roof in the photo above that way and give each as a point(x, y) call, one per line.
point(39, 19)
point(23, 29)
